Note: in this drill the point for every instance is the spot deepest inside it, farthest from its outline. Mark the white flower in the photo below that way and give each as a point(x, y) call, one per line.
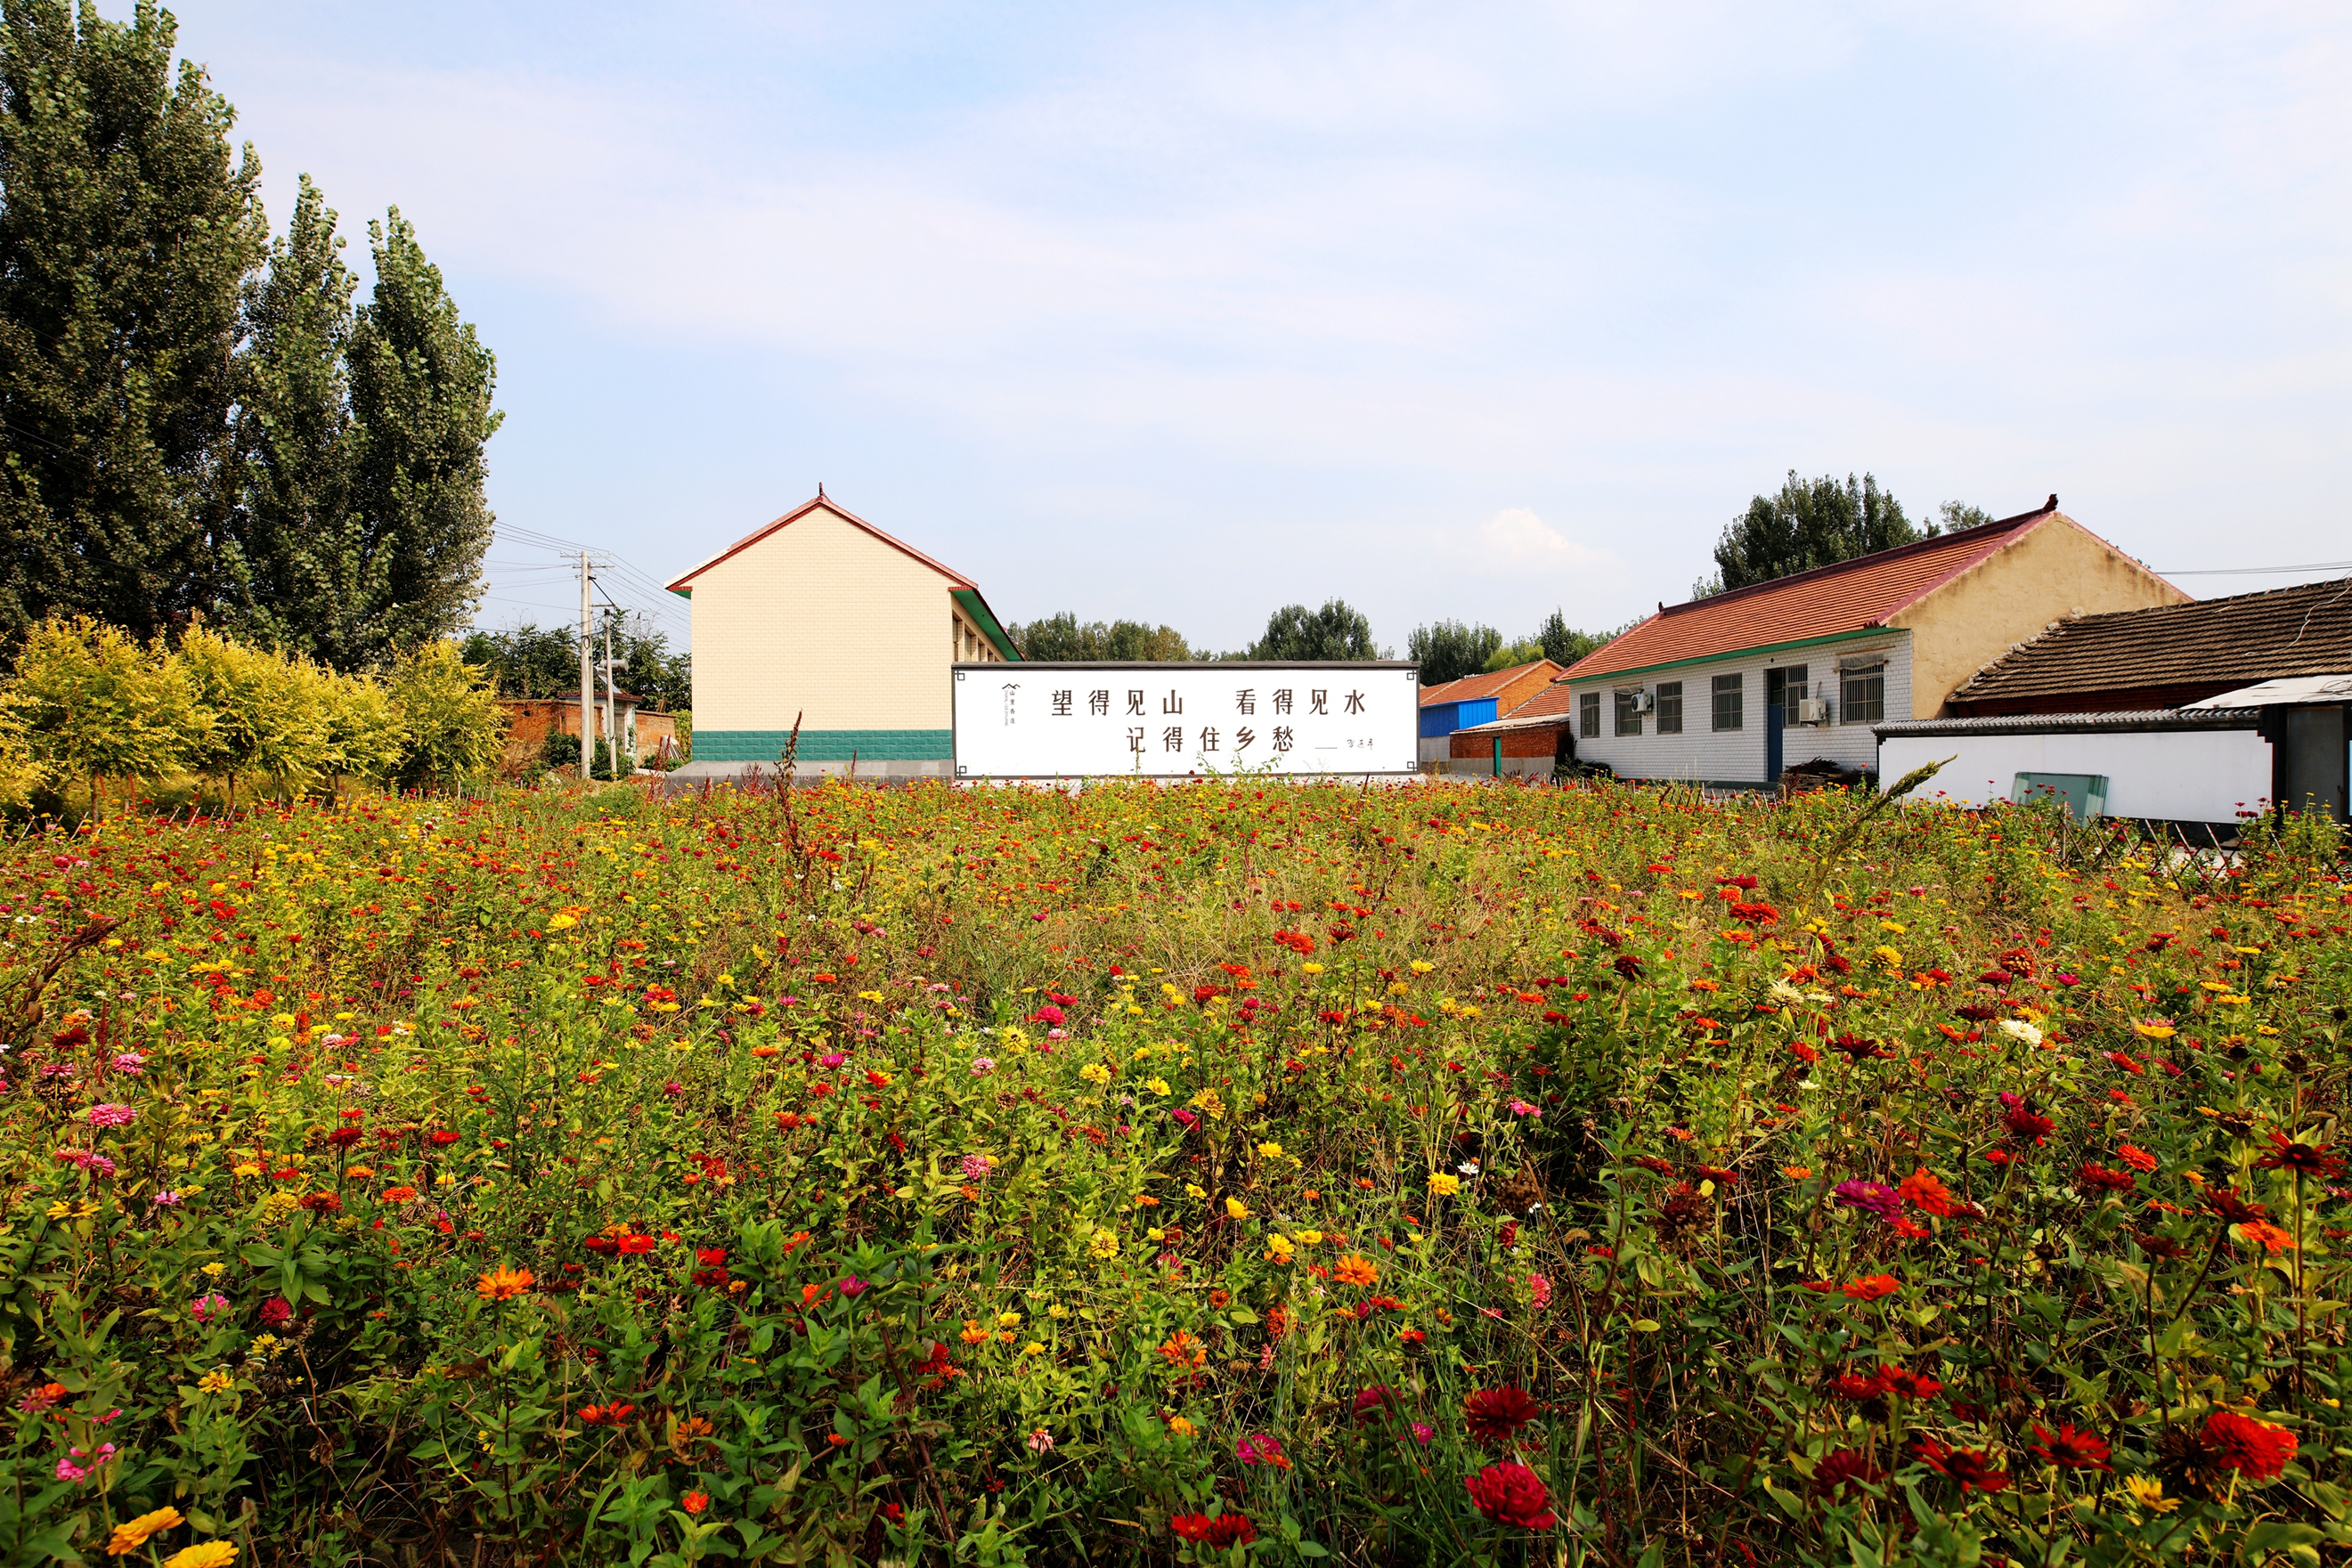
point(1468, 1167)
point(1785, 994)
point(2024, 1033)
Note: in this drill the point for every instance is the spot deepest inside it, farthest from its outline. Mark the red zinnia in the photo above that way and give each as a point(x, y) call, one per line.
point(1511, 1495)
point(2256, 1449)
point(1372, 1401)
point(1971, 1468)
point(2092, 1175)
point(2304, 1159)
point(1494, 1416)
point(2023, 1124)
point(1225, 1530)
point(1910, 1384)
point(1873, 1286)
point(2070, 1449)
point(1857, 1386)
point(1842, 1470)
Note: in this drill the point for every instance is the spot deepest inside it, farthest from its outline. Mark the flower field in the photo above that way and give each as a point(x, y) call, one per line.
point(1214, 1175)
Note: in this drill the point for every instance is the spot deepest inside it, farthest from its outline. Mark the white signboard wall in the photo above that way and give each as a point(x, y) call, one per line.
point(1177, 721)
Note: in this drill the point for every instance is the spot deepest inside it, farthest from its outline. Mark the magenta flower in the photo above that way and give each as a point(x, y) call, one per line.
point(854, 1287)
point(1876, 1197)
point(831, 1059)
point(1261, 1450)
point(977, 1167)
point(109, 1115)
point(204, 1309)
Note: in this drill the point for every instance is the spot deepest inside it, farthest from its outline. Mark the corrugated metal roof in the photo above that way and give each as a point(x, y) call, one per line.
point(1850, 596)
point(2306, 630)
point(2294, 689)
point(2145, 721)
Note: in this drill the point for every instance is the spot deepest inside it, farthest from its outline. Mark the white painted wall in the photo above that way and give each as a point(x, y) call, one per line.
point(1737, 756)
point(2192, 776)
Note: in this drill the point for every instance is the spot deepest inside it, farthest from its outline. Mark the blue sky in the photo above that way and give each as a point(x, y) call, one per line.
point(1183, 314)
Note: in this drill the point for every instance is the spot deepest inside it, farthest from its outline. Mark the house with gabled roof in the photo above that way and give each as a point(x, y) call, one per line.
point(1475, 699)
point(1730, 689)
point(822, 619)
point(2197, 714)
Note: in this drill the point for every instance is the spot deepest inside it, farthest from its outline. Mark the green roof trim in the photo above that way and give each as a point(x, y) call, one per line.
point(683, 593)
point(977, 608)
point(1574, 680)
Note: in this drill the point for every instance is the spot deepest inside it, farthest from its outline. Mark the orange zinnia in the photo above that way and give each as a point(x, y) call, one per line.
point(1182, 1349)
point(503, 1284)
point(1355, 1270)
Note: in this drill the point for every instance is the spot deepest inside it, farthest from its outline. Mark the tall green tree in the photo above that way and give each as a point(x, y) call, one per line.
point(1562, 644)
point(127, 228)
point(1064, 636)
point(1335, 632)
point(1449, 650)
point(1811, 523)
point(292, 447)
point(408, 560)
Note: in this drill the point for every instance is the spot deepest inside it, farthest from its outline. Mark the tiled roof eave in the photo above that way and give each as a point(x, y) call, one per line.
point(2144, 721)
point(1876, 629)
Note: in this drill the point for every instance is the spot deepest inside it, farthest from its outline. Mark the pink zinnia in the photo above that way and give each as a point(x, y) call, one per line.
point(110, 1114)
point(1540, 1287)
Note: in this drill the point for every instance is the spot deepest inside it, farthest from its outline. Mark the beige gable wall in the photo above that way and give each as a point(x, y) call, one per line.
point(821, 618)
point(2053, 571)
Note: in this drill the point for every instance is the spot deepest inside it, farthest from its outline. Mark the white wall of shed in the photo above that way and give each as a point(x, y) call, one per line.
point(2190, 776)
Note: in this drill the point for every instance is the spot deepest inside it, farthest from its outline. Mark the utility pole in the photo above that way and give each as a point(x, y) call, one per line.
point(587, 680)
point(612, 729)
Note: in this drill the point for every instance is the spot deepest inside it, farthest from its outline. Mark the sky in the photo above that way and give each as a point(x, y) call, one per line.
point(1182, 314)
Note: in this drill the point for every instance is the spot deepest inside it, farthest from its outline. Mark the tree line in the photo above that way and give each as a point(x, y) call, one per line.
point(88, 703)
point(200, 421)
point(532, 661)
point(1807, 523)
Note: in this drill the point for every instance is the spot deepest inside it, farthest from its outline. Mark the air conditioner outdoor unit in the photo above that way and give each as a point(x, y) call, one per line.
point(1812, 710)
point(1643, 701)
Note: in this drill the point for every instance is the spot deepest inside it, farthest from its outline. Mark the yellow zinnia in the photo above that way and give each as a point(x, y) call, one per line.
point(131, 1535)
point(211, 1554)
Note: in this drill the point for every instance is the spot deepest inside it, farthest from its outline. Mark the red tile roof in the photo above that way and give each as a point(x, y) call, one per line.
point(1470, 688)
point(820, 500)
point(1553, 707)
point(1850, 596)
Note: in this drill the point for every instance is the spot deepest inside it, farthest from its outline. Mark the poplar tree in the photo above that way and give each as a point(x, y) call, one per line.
point(286, 556)
point(421, 383)
point(127, 228)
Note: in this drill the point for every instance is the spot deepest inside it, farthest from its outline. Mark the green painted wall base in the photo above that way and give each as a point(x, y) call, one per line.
point(825, 745)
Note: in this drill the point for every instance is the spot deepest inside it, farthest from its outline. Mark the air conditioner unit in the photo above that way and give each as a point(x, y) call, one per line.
point(1643, 701)
point(1812, 710)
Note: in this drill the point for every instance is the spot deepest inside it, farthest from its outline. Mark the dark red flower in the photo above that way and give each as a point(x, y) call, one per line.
point(1511, 1495)
point(344, 1137)
point(2256, 1449)
point(2304, 1159)
point(1968, 1467)
point(1910, 1384)
point(2233, 1209)
point(1843, 1468)
point(276, 1311)
point(2099, 1177)
point(1225, 1530)
point(1856, 1385)
point(2024, 1123)
point(2071, 1449)
point(1494, 1416)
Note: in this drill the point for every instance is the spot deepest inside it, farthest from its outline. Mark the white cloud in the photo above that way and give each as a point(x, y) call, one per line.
point(1515, 537)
